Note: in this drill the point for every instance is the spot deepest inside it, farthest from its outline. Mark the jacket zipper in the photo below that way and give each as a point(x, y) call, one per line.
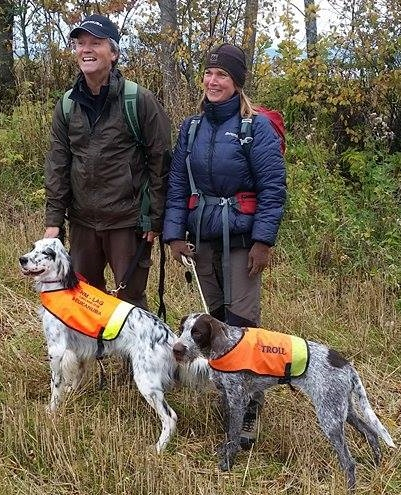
point(211, 149)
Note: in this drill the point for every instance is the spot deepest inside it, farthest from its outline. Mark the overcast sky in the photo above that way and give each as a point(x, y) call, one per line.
point(326, 16)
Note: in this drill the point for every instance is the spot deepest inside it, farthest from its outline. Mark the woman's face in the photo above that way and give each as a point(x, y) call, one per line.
point(218, 85)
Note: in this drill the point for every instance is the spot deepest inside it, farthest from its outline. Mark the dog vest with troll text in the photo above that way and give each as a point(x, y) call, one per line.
point(88, 310)
point(266, 353)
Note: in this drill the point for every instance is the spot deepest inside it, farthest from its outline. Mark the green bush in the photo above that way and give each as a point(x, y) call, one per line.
point(24, 138)
point(343, 224)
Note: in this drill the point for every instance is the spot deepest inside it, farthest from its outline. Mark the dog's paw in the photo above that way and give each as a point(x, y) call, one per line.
point(159, 447)
point(227, 462)
point(51, 409)
point(225, 465)
point(152, 449)
point(221, 450)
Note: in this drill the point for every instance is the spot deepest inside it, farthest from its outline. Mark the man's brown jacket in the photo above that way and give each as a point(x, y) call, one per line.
point(93, 173)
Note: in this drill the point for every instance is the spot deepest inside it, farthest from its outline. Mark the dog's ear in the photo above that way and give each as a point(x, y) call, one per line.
point(218, 337)
point(71, 280)
point(201, 332)
point(64, 267)
point(207, 332)
point(182, 323)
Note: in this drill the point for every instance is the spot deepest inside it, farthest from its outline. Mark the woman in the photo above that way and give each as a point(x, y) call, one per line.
point(232, 247)
point(220, 168)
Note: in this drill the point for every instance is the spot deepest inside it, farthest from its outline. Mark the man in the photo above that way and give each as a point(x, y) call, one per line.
point(94, 169)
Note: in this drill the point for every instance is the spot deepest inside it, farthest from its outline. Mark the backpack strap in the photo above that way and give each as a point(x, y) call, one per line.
point(131, 94)
point(245, 134)
point(204, 200)
point(193, 128)
point(276, 121)
point(66, 104)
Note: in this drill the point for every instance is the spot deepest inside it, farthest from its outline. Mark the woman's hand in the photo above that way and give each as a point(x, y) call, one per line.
point(259, 258)
point(181, 248)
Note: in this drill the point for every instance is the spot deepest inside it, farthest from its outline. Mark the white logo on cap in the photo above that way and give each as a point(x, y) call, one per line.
point(214, 57)
point(92, 22)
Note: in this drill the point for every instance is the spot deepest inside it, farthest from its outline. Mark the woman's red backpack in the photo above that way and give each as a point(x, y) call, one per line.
point(276, 120)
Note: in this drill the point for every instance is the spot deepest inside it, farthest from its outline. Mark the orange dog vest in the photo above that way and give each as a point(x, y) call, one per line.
point(266, 353)
point(88, 310)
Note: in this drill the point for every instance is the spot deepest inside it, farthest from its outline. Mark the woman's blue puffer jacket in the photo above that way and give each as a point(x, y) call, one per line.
point(220, 168)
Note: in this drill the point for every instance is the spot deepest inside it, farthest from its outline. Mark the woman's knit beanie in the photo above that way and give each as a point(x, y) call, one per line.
point(230, 58)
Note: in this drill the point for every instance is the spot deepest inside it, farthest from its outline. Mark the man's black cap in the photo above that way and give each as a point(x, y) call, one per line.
point(98, 26)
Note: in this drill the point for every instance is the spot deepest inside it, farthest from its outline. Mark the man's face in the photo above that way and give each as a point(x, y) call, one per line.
point(94, 55)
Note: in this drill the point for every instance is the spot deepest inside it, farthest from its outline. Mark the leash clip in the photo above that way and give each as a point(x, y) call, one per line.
point(114, 292)
point(190, 263)
point(187, 260)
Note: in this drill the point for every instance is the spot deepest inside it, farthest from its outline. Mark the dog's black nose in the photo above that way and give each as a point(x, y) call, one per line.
point(179, 350)
point(23, 260)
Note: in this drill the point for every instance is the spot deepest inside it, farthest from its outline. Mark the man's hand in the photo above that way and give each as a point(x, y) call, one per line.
point(150, 236)
point(179, 248)
point(259, 258)
point(51, 232)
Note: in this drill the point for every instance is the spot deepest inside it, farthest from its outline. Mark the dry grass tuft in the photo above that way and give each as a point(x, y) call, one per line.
point(99, 443)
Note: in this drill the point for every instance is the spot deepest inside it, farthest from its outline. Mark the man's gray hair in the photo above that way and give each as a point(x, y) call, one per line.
point(115, 49)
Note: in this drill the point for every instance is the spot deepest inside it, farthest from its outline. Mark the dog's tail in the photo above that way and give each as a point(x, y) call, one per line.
point(194, 374)
point(367, 410)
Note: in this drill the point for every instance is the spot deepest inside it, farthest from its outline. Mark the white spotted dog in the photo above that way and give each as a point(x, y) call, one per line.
point(130, 332)
point(325, 376)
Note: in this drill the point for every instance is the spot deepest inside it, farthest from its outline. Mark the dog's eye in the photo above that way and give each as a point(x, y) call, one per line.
point(49, 253)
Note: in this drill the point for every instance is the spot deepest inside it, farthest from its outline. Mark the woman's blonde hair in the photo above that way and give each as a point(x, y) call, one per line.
point(247, 108)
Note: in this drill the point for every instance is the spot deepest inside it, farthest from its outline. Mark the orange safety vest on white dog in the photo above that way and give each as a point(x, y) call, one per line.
point(266, 353)
point(88, 310)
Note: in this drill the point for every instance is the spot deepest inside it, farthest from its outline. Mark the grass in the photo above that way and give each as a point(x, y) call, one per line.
point(100, 442)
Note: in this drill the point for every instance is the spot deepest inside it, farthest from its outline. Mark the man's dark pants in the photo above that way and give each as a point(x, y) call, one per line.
point(92, 250)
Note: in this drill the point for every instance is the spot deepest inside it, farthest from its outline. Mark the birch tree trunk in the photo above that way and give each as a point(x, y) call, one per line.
point(310, 28)
point(249, 38)
point(169, 33)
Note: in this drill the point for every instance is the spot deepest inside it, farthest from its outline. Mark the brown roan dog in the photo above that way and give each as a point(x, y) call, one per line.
point(330, 381)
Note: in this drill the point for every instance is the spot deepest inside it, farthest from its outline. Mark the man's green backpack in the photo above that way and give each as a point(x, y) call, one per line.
point(131, 92)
